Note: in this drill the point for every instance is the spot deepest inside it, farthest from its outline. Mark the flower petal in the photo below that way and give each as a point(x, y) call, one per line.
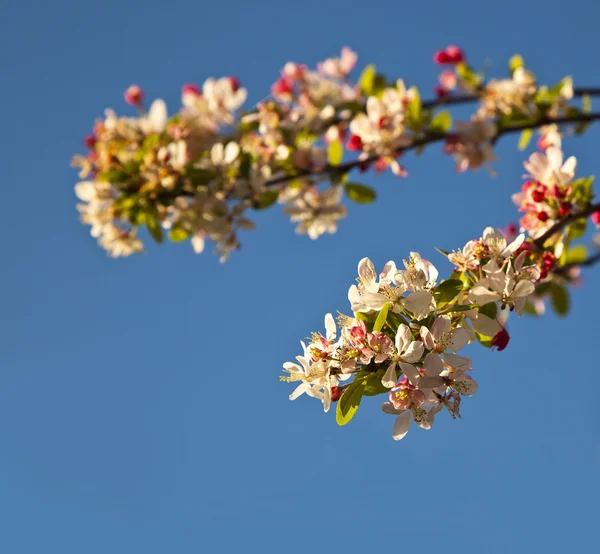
point(433, 365)
point(389, 378)
point(401, 426)
point(411, 373)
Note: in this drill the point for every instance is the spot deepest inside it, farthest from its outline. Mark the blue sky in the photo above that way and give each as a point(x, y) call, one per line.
point(140, 407)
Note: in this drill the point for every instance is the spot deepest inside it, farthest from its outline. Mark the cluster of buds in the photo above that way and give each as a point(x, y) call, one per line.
point(196, 174)
point(407, 330)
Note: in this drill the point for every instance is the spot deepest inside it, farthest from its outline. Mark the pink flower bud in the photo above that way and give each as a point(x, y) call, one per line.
point(565, 208)
point(511, 229)
point(455, 54)
point(282, 89)
point(336, 392)
point(89, 141)
point(441, 58)
point(134, 95)
point(190, 88)
point(596, 218)
point(500, 340)
point(538, 195)
point(355, 143)
point(439, 91)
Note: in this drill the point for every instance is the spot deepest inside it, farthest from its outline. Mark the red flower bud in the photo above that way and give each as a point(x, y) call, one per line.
point(336, 392)
point(500, 340)
point(542, 216)
point(282, 87)
point(565, 208)
point(89, 141)
point(235, 83)
point(596, 218)
point(134, 95)
point(449, 55)
point(512, 228)
point(538, 195)
point(190, 88)
point(440, 91)
point(355, 143)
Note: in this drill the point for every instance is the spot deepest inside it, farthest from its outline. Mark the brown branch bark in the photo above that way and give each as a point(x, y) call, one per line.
point(561, 224)
point(431, 139)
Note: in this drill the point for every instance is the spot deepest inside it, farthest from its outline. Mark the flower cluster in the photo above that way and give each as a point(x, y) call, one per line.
point(197, 174)
point(405, 336)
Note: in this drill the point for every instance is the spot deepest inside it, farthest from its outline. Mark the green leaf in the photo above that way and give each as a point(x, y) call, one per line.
point(582, 190)
point(525, 138)
point(362, 194)
point(366, 81)
point(153, 225)
point(484, 340)
point(380, 321)
point(414, 106)
point(268, 198)
point(576, 255)
point(586, 103)
point(177, 234)
point(369, 319)
point(113, 176)
point(515, 62)
point(576, 229)
point(372, 383)
point(335, 153)
point(394, 321)
point(199, 176)
point(491, 310)
point(560, 299)
point(441, 123)
point(348, 403)
point(447, 291)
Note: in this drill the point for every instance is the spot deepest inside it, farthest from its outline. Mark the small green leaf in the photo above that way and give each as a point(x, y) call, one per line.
point(491, 310)
point(441, 123)
point(586, 101)
point(576, 229)
point(369, 319)
point(335, 153)
point(525, 138)
point(153, 225)
point(576, 255)
point(362, 194)
point(366, 81)
point(560, 299)
point(267, 199)
point(113, 176)
point(372, 383)
point(380, 321)
point(515, 62)
point(484, 340)
point(414, 106)
point(177, 234)
point(349, 402)
point(447, 291)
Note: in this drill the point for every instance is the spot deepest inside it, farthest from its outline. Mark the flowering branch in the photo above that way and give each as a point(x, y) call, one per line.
point(198, 174)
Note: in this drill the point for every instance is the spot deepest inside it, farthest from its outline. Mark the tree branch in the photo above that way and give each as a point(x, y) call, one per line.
point(562, 223)
point(433, 138)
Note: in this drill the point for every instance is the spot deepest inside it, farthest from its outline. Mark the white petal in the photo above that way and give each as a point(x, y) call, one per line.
point(403, 338)
point(433, 365)
point(524, 288)
point(459, 338)
point(414, 352)
point(469, 384)
point(411, 373)
point(419, 303)
point(366, 270)
point(389, 379)
point(388, 408)
point(483, 296)
point(401, 426)
point(513, 246)
point(440, 326)
point(427, 338)
point(157, 116)
point(330, 327)
point(232, 151)
point(457, 362)
point(299, 390)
